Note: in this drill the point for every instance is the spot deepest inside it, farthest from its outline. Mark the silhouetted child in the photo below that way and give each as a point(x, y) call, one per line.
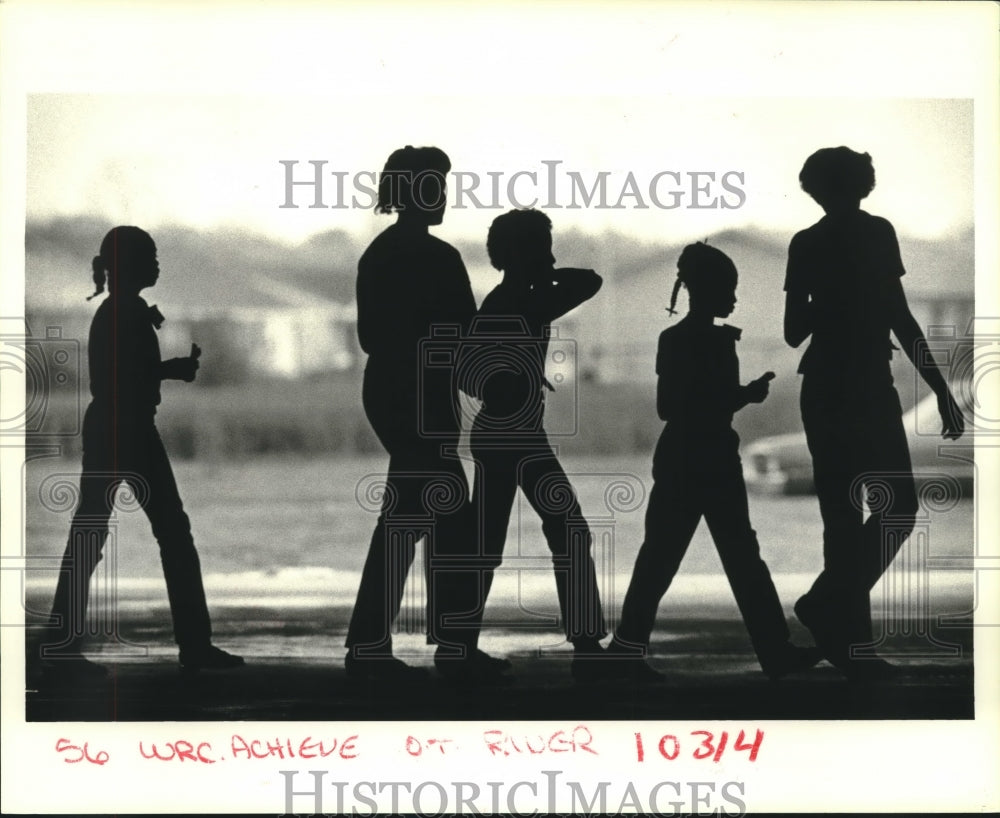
point(121, 444)
point(843, 291)
point(697, 473)
point(508, 437)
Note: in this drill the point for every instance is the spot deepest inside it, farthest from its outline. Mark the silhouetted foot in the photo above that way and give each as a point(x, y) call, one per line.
point(829, 641)
point(791, 659)
point(210, 658)
point(476, 669)
point(594, 666)
point(628, 664)
point(378, 669)
point(836, 649)
point(501, 663)
point(640, 672)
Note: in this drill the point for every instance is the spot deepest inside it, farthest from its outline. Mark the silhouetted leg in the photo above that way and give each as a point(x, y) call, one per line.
point(390, 554)
point(548, 490)
point(87, 536)
point(838, 598)
point(181, 566)
point(728, 518)
point(495, 485)
point(671, 519)
point(451, 556)
point(892, 498)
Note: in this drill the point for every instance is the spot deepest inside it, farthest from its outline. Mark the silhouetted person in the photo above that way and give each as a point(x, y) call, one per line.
point(121, 444)
point(697, 473)
point(843, 290)
point(410, 283)
point(506, 363)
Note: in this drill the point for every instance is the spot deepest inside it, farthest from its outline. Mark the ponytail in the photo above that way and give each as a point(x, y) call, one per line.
point(673, 294)
point(97, 265)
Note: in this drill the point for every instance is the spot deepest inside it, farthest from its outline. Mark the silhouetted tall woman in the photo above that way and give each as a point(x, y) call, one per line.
point(697, 473)
point(843, 291)
point(121, 444)
point(410, 282)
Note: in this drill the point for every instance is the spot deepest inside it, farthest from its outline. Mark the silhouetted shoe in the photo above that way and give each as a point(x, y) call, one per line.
point(499, 663)
point(830, 643)
point(809, 617)
point(791, 659)
point(628, 664)
point(595, 666)
point(478, 668)
point(210, 658)
point(73, 665)
point(381, 669)
point(836, 649)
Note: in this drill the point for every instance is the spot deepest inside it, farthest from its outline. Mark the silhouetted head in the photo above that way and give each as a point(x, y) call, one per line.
point(838, 178)
point(127, 260)
point(412, 184)
point(710, 278)
point(520, 243)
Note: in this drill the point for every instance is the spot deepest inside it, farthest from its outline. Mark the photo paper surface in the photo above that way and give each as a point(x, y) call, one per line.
point(337, 391)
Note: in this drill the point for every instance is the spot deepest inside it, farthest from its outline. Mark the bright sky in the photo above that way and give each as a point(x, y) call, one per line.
point(209, 160)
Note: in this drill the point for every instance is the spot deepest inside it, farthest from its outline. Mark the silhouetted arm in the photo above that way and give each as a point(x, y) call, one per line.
point(798, 323)
point(465, 301)
point(124, 358)
point(366, 299)
point(181, 369)
point(666, 393)
point(699, 378)
point(670, 381)
point(914, 344)
point(754, 392)
point(562, 290)
point(798, 318)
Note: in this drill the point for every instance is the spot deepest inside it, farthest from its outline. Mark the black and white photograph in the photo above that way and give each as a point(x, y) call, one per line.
point(532, 408)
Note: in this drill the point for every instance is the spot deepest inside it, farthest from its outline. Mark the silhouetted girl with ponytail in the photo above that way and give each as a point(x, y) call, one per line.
point(697, 473)
point(121, 443)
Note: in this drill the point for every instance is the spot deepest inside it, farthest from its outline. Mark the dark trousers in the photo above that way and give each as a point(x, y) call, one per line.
point(695, 477)
point(426, 498)
point(114, 453)
point(856, 445)
point(504, 464)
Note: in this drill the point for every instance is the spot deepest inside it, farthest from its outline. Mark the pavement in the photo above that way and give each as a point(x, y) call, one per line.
point(295, 672)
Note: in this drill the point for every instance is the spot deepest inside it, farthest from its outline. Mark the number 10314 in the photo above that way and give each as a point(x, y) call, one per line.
point(699, 744)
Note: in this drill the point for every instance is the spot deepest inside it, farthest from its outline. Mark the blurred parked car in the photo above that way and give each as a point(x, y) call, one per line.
point(781, 464)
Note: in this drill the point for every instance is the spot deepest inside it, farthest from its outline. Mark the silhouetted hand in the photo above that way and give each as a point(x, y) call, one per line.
point(952, 420)
point(183, 369)
point(756, 391)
